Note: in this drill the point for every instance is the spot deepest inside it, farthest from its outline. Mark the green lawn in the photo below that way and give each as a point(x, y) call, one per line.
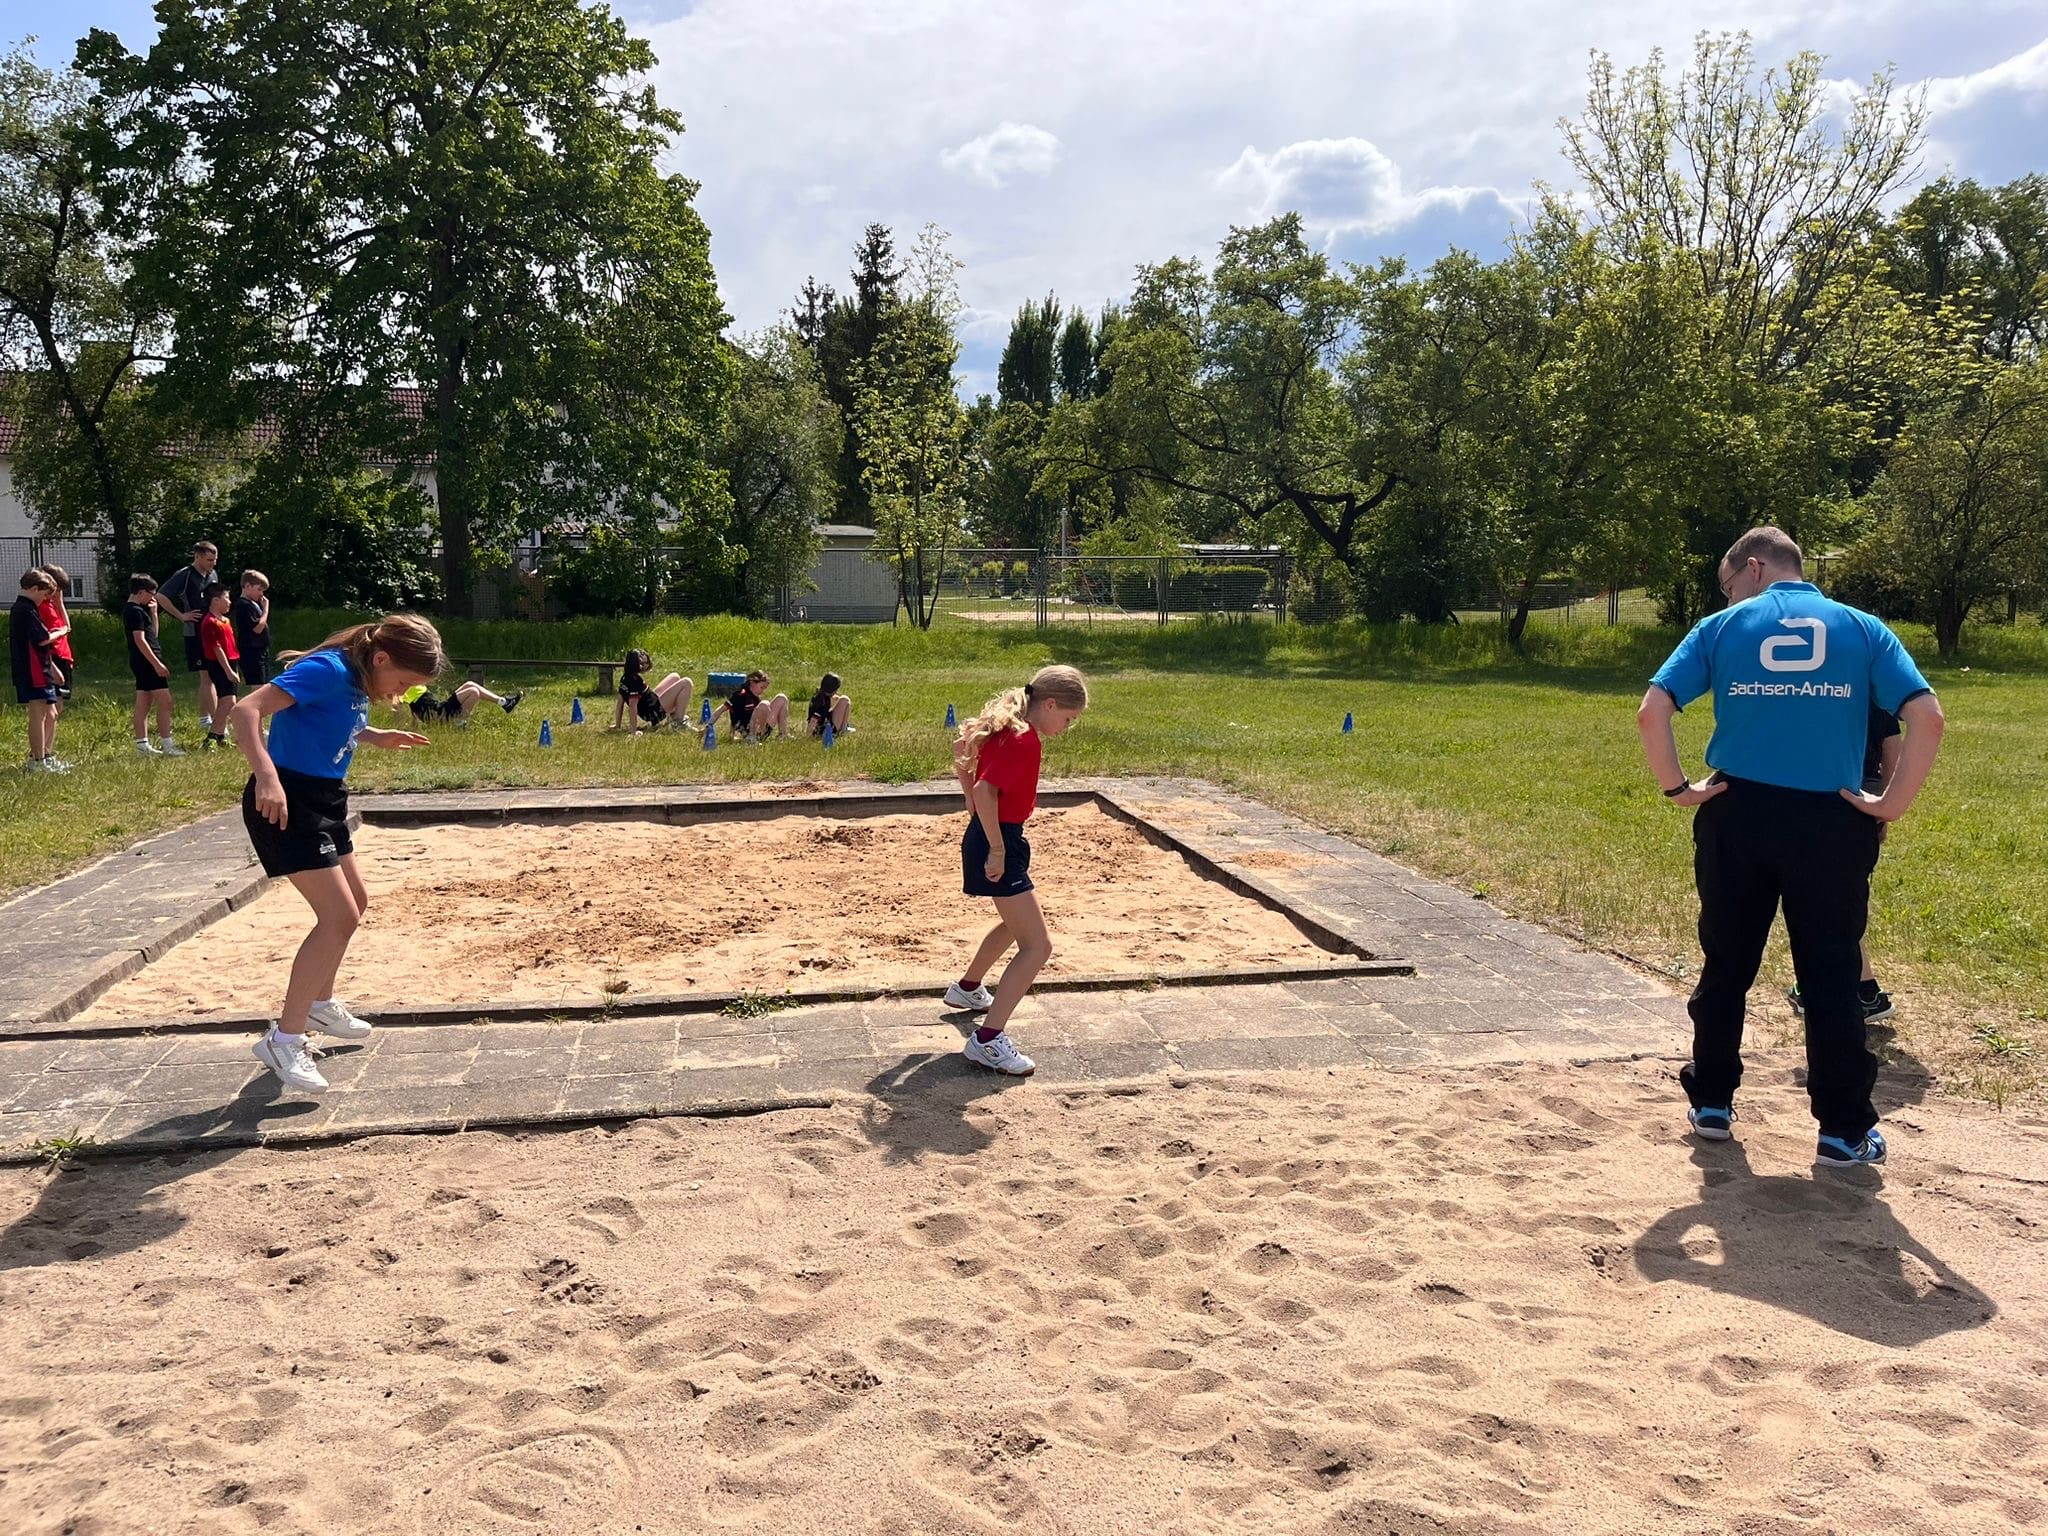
point(1517, 777)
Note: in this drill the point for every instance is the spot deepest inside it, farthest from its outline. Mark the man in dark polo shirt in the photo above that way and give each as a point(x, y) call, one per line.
point(1784, 818)
point(184, 598)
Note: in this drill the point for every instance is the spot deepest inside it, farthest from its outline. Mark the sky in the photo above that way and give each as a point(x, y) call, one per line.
point(1062, 144)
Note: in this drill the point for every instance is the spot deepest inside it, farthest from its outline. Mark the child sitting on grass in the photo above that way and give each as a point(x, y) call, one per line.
point(828, 704)
point(666, 702)
point(459, 705)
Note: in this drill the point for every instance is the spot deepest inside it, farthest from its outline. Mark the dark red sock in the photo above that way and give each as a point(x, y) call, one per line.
point(985, 1034)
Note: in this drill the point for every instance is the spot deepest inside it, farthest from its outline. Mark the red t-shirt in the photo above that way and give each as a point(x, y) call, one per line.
point(1009, 760)
point(217, 640)
point(53, 618)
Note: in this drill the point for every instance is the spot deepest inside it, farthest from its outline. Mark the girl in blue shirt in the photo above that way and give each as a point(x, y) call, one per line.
point(295, 806)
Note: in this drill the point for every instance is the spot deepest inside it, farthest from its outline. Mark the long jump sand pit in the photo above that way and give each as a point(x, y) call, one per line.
point(577, 912)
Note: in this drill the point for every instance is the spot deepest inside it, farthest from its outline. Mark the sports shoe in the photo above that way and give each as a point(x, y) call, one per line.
point(288, 1058)
point(1710, 1124)
point(144, 747)
point(980, 1000)
point(333, 1018)
point(166, 747)
point(54, 765)
point(1876, 1005)
point(1834, 1152)
point(1000, 1055)
point(511, 700)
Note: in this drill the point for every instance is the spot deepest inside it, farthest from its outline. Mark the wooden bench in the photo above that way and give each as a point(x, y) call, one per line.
point(475, 668)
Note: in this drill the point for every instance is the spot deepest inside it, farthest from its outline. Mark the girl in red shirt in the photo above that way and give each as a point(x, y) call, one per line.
point(996, 761)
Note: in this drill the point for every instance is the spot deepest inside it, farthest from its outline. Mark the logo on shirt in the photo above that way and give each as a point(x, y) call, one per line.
point(1816, 638)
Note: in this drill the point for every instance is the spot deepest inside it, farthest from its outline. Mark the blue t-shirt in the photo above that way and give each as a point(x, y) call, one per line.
point(1794, 675)
point(317, 735)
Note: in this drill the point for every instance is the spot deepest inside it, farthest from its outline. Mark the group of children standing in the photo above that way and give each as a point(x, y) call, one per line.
point(39, 649)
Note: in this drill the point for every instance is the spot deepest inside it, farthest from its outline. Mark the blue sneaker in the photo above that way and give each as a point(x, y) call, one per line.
point(1710, 1124)
point(1834, 1152)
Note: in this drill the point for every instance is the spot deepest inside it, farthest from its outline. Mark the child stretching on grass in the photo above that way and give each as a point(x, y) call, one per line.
point(996, 761)
point(459, 705)
point(668, 700)
point(753, 714)
point(295, 806)
point(829, 707)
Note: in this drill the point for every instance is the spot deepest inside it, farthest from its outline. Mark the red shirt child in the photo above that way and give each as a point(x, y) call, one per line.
point(1010, 760)
point(58, 623)
point(217, 640)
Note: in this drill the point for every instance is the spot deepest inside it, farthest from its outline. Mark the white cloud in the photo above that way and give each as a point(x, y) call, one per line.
point(1338, 186)
point(1006, 150)
point(2023, 72)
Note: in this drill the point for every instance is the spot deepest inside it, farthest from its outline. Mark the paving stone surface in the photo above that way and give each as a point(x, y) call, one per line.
point(1486, 988)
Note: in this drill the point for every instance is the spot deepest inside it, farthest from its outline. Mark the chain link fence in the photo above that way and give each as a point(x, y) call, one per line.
point(80, 559)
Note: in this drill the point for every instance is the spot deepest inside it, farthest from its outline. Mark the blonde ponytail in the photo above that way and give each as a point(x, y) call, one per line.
point(1061, 685)
point(413, 645)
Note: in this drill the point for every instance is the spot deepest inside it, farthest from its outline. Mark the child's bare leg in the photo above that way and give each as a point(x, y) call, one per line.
point(1034, 947)
point(335, 920)
point(38, 729)
point(780, 705)
point(208, 699)
point(994, 945)
point(142, 714)
point(842, 712)
point(675, 692)
point(163, 711)
point(1869, 970)
point(467, 694)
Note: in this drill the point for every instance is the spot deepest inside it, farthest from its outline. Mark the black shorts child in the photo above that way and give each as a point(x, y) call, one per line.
point(147, 678)
point(256, 669)
point(25, 693)
point(223, 680)
point(315, 830)
point(649, 709)
point(974, 880)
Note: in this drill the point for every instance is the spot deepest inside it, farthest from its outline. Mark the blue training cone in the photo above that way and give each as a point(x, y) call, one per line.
point(710, 735)
point(576, 711)
point(829, 734)
point(547, 734)
point(951, 723)
point(704, 715)
point(1347, 722)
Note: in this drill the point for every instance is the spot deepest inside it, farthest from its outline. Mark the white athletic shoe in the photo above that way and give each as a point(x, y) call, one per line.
point(333, 1018)
point(166, 747)
point(980, 1000)
point(144, 747)
point(287, 1057)
point(1001, 1055)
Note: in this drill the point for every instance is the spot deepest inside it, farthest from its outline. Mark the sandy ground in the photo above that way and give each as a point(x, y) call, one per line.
point(569, 913)
point(1424, 1304)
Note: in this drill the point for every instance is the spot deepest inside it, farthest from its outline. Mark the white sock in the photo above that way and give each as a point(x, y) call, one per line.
point(165, 739)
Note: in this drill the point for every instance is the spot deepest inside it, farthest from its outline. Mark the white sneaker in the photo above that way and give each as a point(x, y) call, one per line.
point(287, 1057)
point(333, 1018)
point(169, 748)
point(980, 1000)
point(144, 747)
point(55, 764)
point(1001, 1055)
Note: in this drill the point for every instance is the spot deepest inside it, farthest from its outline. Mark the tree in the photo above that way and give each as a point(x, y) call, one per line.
point(1985, 248)
point(91, 458)
point(779, 451)
point(1739, 177)
point(912, 429)
point(460, 193)
point(1077, 358)
point(842, 332)
point(1961, 512)
point(1028, 370)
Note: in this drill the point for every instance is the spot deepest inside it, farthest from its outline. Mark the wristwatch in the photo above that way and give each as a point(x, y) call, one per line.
point(1683, 786)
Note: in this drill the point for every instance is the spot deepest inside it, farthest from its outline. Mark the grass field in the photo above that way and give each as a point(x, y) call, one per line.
point(1518, 777)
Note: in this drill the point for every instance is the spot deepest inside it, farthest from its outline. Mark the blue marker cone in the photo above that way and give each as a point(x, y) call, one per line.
point(1347, 722)
point(828, 734)
point(951, 723)
point(710, 736)
point(575, 711)
point(547, 734)
point(704, 715)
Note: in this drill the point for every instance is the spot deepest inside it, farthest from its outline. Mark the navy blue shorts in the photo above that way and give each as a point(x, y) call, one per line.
point(27, 695)
point(974, 880)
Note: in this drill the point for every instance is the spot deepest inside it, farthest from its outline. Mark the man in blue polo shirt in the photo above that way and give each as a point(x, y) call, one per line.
point(1784, 818)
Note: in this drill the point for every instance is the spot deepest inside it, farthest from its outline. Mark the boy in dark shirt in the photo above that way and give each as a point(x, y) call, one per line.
point(252, 628)
point(32, 653)
point(146, 662)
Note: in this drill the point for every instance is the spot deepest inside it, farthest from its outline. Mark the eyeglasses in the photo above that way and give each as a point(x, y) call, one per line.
point(1728, 585)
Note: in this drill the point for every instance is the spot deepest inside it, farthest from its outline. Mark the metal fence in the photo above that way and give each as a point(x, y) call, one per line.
point(79, 557)
point(1028, 586)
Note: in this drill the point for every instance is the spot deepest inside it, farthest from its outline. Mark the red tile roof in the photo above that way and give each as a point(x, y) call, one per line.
point(409, 402)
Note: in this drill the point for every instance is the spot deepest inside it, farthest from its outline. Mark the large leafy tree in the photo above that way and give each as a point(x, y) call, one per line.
point(1745, 178)
point(1982, 248)
point(780, 453)
point(842, 332)
point(459, 194)
point(74, 348)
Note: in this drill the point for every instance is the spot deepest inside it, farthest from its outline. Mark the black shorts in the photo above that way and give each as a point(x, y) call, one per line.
point(315, 833)
point(147, 678)
point(223, 680)
point(194, 661)
point(256, 669)
point(26, 695)
point(974, 880)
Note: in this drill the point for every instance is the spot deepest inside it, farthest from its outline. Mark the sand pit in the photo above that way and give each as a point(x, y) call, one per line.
point(573, 913)
point(1427, 1304)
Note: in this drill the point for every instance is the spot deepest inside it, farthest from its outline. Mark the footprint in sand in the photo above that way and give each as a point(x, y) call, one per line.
point(558, 1480)
point(612, 1217)
point(941, 1229)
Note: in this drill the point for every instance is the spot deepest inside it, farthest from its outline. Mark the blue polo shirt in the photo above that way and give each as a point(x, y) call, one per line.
point(317, 735)
point(1794, 675)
